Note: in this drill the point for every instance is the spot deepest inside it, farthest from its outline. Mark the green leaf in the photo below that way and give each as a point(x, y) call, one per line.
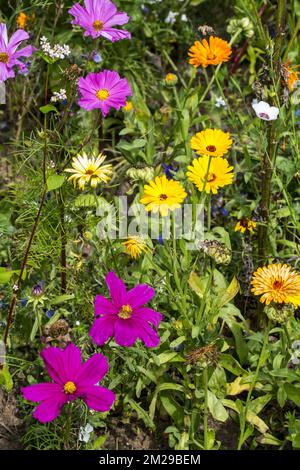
point(293, 393)
point(173, 408)
point(99, 442)
point(5, 379)
point(5, 275)
point(55, 182)
point(198, 284)
point(62, 298)
point(216, 408)
point(48, 108)
point(170, 356)
point(85, 200)
point(142, 414)
point(231, 364)
point(229, 293)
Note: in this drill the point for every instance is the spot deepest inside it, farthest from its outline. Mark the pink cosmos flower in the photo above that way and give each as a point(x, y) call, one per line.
point(124, 316)
point(72, 380)
point(103, 90)
point(98, 17)
point(9, 56)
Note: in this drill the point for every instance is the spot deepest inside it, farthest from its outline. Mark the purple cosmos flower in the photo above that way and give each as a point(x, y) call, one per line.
point(98, 17)
point(124, 316)
point(9, 56)
point(103, 90)
point(72, 380)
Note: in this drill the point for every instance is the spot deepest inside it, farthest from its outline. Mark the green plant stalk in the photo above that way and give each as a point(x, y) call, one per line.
point(270, 155)
point(253, 383)
point(205, 417)
point(22, 270)
point(261, 30)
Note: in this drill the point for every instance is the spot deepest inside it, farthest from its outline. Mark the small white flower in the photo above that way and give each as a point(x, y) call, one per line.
point(55, 52)
point(60, 95)
point(77, 323)
point(264, 111)
point(85, 433)
point(171, 18)
point(184, 17)
point(220, 102)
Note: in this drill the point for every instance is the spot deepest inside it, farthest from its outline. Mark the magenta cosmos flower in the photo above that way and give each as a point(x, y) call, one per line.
point(103, 90)
point(124, 316)
point(9, 56)
point(98, 17)
point(72, 380)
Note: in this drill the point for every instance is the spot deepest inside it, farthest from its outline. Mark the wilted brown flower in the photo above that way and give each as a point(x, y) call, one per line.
point(206, 356)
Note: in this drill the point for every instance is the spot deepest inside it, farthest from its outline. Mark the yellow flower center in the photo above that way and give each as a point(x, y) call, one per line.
point(211, 177)
point(163, 197)
point(98, 25)
point(125, 312)
point(211, 148)
point(4, 57)
point(69, 388)
point(102, 94)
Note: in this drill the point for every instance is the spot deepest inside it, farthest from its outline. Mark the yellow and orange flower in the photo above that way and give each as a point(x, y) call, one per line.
point(245, 224)
point(211, 142)
point(162, 195)
point(209, 174)
point(291, 75)
point(277, 283)
point(135, 246)
point(206, 53)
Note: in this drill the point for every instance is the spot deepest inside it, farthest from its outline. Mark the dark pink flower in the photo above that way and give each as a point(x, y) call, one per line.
point(71, 380)
point(103, 90)
point(9, 56)
point(98, 17)
point(124, 316)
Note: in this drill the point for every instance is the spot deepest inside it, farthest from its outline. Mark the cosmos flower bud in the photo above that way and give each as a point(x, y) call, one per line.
point(217, 251)
point(279, 313)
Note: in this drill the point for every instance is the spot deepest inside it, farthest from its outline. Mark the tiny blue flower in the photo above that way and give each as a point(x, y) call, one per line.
point(160, 239)
point(170, 169)
point(23, 302)
point(97, 58)
point(49, 313)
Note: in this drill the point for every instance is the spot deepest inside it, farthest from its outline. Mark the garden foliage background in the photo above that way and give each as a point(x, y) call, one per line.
point(222, 371)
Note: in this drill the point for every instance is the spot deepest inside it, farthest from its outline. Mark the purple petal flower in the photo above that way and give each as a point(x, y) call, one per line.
point(72, 380)
point(9, 56)
point(103, 90)
point(124, 317)
point(98, 17)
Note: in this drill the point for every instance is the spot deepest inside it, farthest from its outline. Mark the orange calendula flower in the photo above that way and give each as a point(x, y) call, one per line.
point(245, 224)
point(291, 74)
point(22, 19)
point(277, 283)
point(162, 195)
point(206, 53)
point(209, 174)
point(135, 246)
point(211, 142)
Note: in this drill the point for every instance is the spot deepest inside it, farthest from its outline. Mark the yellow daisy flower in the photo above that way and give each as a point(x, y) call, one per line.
point(210, 173)
point(277, 283)
point(89, 170)
point(135, 246)
point(171, 79)
point(128, 107)
point(245, 224)
point(207, 53)
point(213, 142)
point(163, 195)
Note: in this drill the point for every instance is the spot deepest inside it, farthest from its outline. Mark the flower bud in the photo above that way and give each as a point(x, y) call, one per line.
point(279, 313)
point(217, 251)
